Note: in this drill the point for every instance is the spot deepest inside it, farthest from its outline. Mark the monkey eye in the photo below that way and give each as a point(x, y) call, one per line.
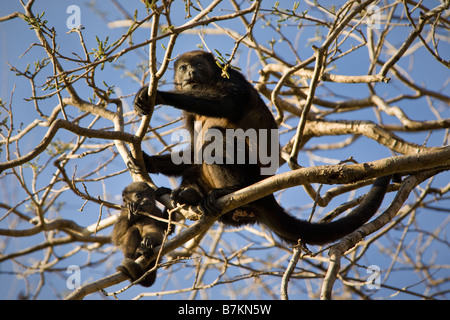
point(139, 195)
point(183, 67)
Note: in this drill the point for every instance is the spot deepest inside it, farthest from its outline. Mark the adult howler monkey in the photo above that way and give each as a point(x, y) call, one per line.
point(231, 102)
point(136, 233)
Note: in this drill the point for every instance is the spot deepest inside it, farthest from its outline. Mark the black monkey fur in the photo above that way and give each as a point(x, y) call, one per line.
point(137, 234)
point(232, 103)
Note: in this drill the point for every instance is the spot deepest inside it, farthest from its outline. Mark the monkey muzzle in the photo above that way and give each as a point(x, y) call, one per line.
point(190, 83)
point(140, 207)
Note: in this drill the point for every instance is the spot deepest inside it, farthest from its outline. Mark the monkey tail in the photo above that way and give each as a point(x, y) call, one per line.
point(290, 229)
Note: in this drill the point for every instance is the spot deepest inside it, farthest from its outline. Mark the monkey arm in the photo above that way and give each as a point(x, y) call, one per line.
point(210, 103)
point(164, 164)
point(223, 102)
point(159, 164)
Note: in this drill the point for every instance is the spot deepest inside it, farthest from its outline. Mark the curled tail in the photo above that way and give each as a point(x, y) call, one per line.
point(291, 229)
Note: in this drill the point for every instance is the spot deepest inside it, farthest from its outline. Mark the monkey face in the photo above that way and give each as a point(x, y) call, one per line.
point(192, 74)
point(142, 204)
point(138, 197)
point(194, 70)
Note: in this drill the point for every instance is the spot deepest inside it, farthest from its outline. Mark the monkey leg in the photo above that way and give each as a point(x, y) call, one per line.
point(153, 236)
point(200, 180)
point(243, 215)
point(224, 180)
point(190, 191)
point(131, 243)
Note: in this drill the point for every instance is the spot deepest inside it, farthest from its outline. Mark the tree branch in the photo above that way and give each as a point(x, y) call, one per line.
point(349, 241)
point(63, 124)
point(197, 228)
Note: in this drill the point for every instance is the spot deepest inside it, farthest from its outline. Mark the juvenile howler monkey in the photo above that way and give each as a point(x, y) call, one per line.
point(136, 233)
point(232, 103)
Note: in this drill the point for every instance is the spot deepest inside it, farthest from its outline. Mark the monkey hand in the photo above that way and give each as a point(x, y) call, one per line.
point(134, 168)
point(186, 195)
point(133, 209)
point(141, 101)
point(132, 164)
point(146, 247)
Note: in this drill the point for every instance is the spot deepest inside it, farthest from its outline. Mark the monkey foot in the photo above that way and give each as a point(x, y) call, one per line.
point(134, 271)
point(209, 204)
point(131, 269)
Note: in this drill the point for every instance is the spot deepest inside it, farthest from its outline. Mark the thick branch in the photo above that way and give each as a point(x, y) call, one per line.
point(366, 128)
point(440, 157)
point(304, 73)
